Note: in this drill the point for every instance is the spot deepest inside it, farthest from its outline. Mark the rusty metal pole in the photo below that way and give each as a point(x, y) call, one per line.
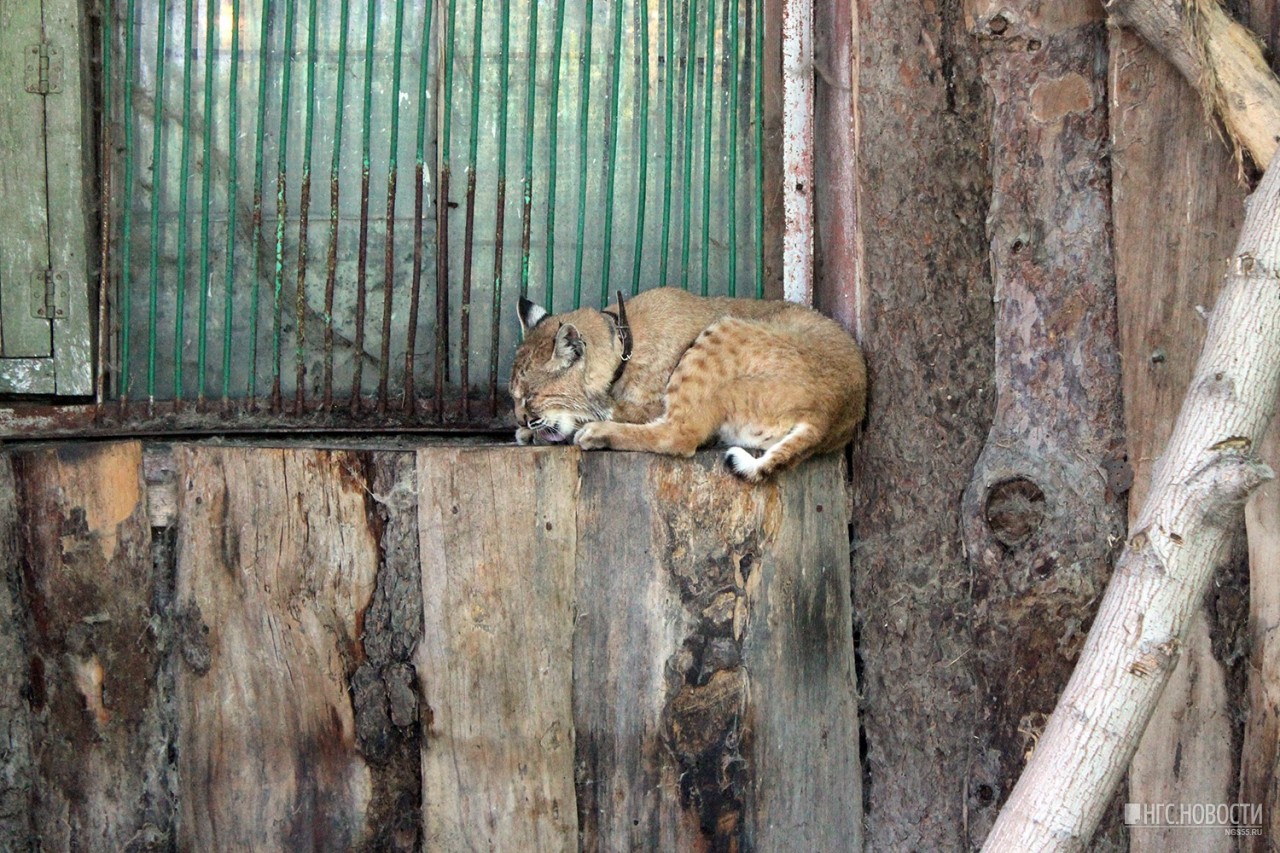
point(797, 150)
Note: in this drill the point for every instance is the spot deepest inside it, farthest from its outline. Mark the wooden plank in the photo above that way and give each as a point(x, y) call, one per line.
point(708, 612)
point(70, 186)
point(798, 650)
point(99, 732)
point(17, 770)
point(498, 541)
point(1168, 268)
point(276, 564)
point(27, 376)
point(24, 241)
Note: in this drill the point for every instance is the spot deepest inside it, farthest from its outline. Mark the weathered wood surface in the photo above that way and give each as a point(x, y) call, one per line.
point(24, 243)
point(69, 191)
point(289, 648)
point(276, 564)
point(98, 780)
point(1168, 159)
point(495, 666)
point(16, 765)
point(715, 700)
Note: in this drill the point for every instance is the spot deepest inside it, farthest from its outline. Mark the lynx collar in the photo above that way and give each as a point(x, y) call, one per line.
point(623, 330)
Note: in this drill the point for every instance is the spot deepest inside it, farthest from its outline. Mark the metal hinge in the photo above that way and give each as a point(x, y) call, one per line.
point(44, 69)
point(50, 296)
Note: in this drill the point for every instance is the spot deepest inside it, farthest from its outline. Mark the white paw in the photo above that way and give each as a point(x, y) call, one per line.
point(593, 436)
point(524, 436)
point(742, 464)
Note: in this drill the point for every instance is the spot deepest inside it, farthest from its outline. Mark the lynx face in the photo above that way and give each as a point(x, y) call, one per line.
point(549, 382)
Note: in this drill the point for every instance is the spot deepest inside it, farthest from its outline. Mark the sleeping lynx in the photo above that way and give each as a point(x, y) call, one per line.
point(668, 372)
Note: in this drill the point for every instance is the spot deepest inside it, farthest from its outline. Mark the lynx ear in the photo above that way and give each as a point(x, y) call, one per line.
point(530, 315)
point(569, 343)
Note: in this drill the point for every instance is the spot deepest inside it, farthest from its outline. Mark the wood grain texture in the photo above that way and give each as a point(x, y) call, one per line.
point(708, 612)
point(276, 565)
point(498, 542)
point(1168, 268)
point(69, 187)
point(98, 740)
point(16, 766)
point(24, 242)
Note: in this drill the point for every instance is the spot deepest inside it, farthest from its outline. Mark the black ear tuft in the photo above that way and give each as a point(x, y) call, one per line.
point(530, 314)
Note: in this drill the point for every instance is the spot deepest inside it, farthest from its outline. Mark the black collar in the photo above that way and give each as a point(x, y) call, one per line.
point(623, 330)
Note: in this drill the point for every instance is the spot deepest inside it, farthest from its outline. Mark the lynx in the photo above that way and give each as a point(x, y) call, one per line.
point(668, 372)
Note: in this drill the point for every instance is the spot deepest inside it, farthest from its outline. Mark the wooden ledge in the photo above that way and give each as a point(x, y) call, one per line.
point(534, 648)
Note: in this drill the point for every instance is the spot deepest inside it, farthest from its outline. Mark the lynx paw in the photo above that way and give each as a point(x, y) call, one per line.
point(742, 464)
point(594, 436)
point(524, 436)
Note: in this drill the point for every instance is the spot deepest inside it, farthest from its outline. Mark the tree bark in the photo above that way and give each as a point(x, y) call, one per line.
point(927, 313)
point(1199, 482)
point(1042, 517)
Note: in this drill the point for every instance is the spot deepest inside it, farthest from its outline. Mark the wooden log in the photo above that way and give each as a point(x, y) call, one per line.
point(714, 695)
point(495, 665)
point(276, 565)
point(97, 727)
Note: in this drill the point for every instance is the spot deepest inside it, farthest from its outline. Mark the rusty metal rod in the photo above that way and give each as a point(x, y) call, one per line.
point(362, 251)
point(419, 204)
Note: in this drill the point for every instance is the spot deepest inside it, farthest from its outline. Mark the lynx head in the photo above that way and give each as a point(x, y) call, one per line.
point(562, 372)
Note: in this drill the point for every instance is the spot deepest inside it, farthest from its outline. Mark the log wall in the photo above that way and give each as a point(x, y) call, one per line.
point(228, 647)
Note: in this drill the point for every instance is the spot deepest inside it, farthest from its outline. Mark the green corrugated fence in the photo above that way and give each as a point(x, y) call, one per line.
point(237, 283)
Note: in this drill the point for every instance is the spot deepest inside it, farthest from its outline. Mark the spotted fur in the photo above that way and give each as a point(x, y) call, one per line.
point(770, 377)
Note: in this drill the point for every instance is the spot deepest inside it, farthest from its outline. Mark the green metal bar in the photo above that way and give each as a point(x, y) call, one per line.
point(708, 84)
point(691, 62)
point(643, 193)
point(363, 249)
point(126, 237)
point(419, 193)
point(335, 166)
point(668, 117)
point(157, 137)
point(759, 99)
point(495, 331)
point(179, 347)
point(282, 166)
point(205, 199)
point(734, 70)
point(615, 60)
point(258, 169)
point(584, 94)
point(304, 215)
point(553, 153)
point(108, 193)
point(233, 137)
point(529, 119)
point(384, 365)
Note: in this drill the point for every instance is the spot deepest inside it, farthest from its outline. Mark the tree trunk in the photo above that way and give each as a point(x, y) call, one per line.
point(924, 297)
point(1042, 517)
point(1179, 538)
